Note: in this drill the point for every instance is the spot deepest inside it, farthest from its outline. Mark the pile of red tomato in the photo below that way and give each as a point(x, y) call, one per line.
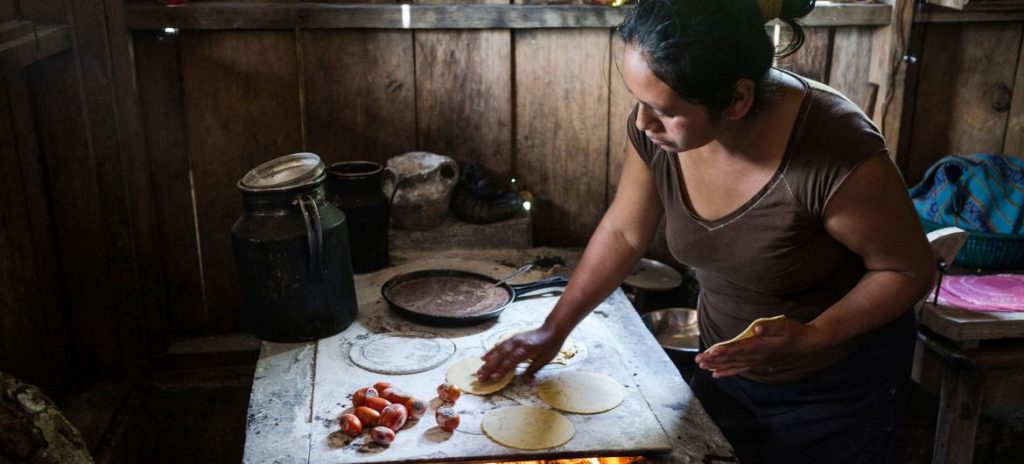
point(383, 410)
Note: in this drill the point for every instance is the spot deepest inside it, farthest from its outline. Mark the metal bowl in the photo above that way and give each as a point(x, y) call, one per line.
point(653, 275)
point(675, 329)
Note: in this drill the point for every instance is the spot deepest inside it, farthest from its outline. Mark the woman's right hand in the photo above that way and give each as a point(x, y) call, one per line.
point(540, 346)
point(618, 243)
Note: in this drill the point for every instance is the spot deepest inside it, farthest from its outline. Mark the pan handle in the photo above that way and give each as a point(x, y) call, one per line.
point(547, 282)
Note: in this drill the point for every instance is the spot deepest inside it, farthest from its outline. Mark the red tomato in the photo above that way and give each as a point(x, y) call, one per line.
point(395, 395)
point(394, 417)
point(382, 435)
point(448, 392)
point(367, 416)
point(416, 408)
point(447, 418)
point(350, 424)
point(360, 396)
point(381, 386)
point(377, 404)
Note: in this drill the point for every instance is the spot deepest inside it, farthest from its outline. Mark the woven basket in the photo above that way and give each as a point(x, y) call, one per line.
point(987, 251)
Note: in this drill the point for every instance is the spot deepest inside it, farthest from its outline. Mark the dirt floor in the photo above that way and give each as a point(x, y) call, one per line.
point(192, 415)
point(999, 440)
point(195, 417)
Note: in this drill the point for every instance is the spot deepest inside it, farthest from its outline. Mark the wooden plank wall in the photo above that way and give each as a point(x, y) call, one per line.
point(32, 307)
point(35, 337)
point(463, 79)
point(562, 129)
point(78, 300)
point(44, 11)
point(544, 106)
point(8, 10)
point(164, 127)
point(220, 70)
point(969, 97)
point(129, 195)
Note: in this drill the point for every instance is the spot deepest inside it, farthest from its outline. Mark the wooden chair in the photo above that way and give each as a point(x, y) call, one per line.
point(953, 355)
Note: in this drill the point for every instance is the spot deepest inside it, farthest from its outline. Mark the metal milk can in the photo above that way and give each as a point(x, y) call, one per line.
point(292, 252)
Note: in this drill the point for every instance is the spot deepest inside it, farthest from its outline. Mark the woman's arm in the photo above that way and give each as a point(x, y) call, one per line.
point(618, 243)
point(872, 215)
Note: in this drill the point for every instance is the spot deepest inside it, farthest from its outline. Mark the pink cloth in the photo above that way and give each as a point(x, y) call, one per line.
point(1000, 292)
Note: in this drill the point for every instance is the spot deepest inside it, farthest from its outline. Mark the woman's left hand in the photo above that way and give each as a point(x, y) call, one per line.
point(772, 342)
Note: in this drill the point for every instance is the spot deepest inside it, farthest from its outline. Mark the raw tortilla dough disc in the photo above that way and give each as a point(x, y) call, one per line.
point(570, 347)
point(582, 392)
point(463, 374)
point(526, 428)
point(748, 332)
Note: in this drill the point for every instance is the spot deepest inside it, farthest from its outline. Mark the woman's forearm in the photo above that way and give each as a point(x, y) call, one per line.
point(617, 244)
point(609, 257)
point(879, 298)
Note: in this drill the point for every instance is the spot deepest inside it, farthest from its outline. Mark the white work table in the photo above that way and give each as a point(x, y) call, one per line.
point(300, 389)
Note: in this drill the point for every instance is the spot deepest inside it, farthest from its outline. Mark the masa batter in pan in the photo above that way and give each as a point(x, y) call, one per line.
point(449, 296)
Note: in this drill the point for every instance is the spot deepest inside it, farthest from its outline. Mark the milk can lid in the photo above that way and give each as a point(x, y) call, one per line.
point(286, 171)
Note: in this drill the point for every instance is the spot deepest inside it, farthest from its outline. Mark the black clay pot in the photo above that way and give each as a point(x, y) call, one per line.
point(355, 187)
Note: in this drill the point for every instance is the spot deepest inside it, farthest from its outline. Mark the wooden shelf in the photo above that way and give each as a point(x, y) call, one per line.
point(23, 43)
point(980, 5)
point(967, 11)
point(932, 14)
point(303, 15)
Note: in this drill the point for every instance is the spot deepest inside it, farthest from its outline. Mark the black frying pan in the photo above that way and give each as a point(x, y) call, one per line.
point(442, 297)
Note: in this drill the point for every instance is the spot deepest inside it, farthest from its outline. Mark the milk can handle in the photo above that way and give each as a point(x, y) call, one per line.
point(314, 235)
point(396, 179)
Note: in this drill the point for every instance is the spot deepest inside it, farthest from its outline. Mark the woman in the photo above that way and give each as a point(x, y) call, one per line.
point(781, 194)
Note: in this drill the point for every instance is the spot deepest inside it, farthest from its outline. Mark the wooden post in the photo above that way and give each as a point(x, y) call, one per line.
point(888, 72)
point(150, 303)
point(959, 410)
point(163, 115)
point(1014, 143)
point(98, 94)
point(30, 282)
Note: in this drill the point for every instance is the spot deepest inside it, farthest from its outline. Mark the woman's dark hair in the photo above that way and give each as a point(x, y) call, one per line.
point(701, 48)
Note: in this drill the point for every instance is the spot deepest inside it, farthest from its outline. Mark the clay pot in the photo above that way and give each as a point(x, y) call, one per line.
point(424, 190)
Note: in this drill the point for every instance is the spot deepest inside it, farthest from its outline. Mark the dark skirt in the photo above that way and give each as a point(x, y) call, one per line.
point(846, 413)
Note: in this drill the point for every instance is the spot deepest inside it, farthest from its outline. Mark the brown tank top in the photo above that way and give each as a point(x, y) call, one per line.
point(773, 255)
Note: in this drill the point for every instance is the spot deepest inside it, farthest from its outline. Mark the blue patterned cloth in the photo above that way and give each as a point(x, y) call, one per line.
point(977, 193)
